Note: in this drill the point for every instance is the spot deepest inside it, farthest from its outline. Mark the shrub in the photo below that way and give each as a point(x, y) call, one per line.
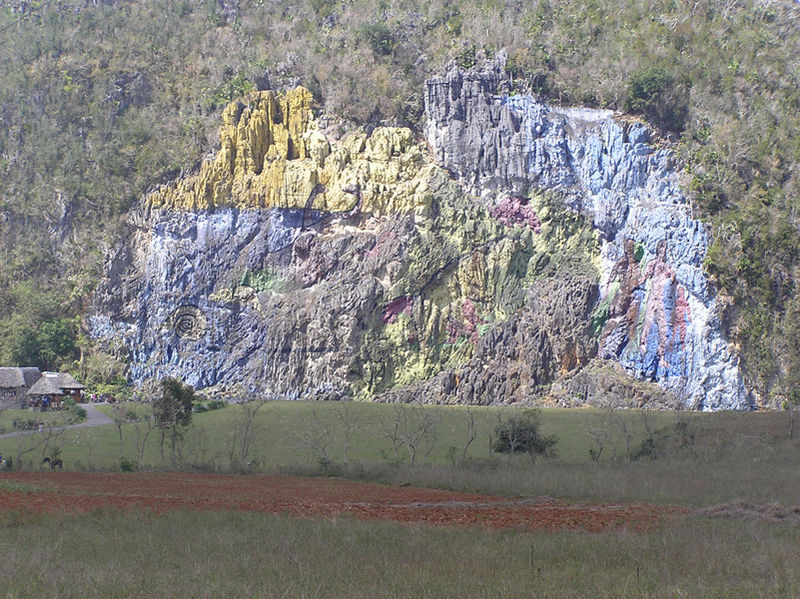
point(25, 424)
point(216, 404)
point(468, 57)
point(78, 412)
point(646, 450)
point(521, 434)
point(236, 87)
point(656, 94)
point(380, 38)
point(173, 408)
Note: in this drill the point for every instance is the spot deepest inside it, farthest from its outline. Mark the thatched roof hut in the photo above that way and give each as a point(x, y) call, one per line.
point(46, 385)
point(14, 381)
point(31, 375)
point(67, 382)
point(55, 385)
point(11, 378)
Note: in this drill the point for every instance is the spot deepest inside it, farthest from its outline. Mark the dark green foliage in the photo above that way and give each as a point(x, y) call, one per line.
point(380, 38)
point(656, 94)
point(77, 412)
point(173, 412)
point(46, 347)
point(708, 194)
point(25, 424)
point(468, 57)
point(521, 433)
point(754, 259)
point(646, 450)
point(26, 349)
point(236, 87)
point(215, 404)
point(173, 408)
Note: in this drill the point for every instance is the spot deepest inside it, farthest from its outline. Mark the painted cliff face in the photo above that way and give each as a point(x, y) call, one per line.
point(300, 267)
point(657, 313)
point(645, 318)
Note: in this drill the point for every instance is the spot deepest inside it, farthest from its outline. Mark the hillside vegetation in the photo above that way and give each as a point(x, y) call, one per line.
point(101, 101)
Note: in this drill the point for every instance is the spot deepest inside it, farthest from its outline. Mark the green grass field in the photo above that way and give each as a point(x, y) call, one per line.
point(698, 460)
point(8, 417)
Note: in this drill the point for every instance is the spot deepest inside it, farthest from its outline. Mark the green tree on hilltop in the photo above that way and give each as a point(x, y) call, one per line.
point(656, 94)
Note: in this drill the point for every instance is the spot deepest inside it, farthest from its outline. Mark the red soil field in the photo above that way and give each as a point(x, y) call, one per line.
point(320, 498)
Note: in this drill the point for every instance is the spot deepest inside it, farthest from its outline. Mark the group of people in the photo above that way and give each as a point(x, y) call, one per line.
point(45, 403)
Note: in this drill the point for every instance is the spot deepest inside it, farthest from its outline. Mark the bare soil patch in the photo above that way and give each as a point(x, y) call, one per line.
point(325, 498)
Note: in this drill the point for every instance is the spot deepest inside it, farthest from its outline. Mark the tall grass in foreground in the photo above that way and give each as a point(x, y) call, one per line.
point(183, 554)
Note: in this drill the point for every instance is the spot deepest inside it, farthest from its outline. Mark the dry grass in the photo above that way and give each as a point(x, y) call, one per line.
point(135, 554)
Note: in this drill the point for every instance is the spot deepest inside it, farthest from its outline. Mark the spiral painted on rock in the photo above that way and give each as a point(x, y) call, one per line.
point(189, 322)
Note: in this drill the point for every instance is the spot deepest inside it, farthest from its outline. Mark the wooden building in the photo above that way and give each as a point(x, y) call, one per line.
point(52, 389)
point(70, 387)
point(28, 387)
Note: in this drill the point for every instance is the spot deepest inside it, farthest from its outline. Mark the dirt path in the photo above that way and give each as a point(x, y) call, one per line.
point(325, 498)
point(94, 417)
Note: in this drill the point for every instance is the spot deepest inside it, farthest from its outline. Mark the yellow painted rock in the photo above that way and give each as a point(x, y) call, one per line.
point(272, 155)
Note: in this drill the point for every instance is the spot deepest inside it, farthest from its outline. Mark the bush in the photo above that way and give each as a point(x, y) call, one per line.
point(380, 37)
point(25, 424)
point(656, 94)
point(646, 450)
point(216, 404)
point(521, 434)
point(126, 465)
point(78, 412)
point(236, 87)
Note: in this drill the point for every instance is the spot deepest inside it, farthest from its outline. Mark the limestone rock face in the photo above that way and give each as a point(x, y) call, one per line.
point(657, 314)
point(517, 360)
point(272, 156)
point(299, 267)
point(298, 303)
